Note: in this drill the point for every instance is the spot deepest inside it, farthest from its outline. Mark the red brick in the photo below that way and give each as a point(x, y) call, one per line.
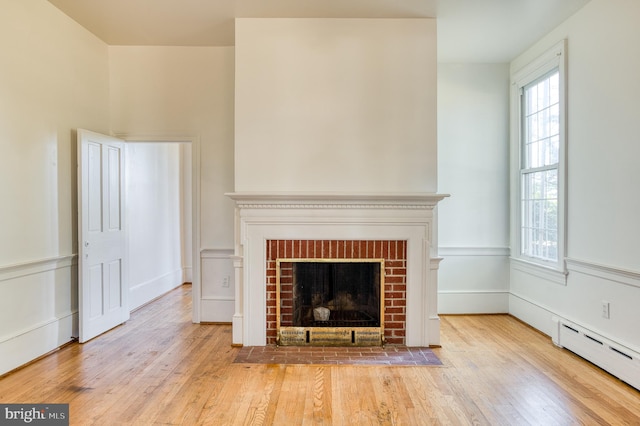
point(368, 249)
point(333, 253)
point(286, 279)
point(393, 279)
point(377, 250)
point(348, 249)
point(399, 271)
point(396, 286)
point(393, 325)
point(397, 263)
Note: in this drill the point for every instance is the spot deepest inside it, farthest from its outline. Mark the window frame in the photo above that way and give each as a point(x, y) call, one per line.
point(553, 58)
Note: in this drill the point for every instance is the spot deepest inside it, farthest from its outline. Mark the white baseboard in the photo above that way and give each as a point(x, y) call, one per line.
point(147, 291)
point(217, 310)
point(537, 316)
point(29, 345)
point(187, 274)
point(473, 302)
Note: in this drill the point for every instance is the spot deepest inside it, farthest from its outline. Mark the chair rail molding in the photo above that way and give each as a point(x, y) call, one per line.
point(10, 272)
point(609, 273)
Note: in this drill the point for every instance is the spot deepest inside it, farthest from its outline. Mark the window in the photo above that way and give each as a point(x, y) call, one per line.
point(540, 143)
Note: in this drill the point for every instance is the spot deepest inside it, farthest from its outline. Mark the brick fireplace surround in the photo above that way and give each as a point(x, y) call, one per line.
point(397, 227)
point(394, 254)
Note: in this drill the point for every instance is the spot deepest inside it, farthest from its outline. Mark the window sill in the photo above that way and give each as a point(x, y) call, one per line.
point(540, 271)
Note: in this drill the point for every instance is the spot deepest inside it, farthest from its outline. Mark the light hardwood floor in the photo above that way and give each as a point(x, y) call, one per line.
point(159, 368)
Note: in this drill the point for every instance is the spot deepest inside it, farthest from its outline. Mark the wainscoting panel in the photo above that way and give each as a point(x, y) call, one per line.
point(39, 308)
point(473, 280)
point(218, 288)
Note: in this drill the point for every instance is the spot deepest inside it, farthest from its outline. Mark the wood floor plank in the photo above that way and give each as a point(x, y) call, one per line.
point(159, 368)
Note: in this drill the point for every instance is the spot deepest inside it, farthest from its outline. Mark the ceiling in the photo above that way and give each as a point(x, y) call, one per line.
point(468, 30)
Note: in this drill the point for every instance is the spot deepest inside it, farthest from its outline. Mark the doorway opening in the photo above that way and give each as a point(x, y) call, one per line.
point(161, 212)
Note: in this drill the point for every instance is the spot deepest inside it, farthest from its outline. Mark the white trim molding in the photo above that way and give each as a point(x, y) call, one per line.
point(336, 216)
point(217, 302)
point(55, 320)
point(213, 253)
point(554, 57)
point(609, 273)
point(538, 271)
point(37, 266)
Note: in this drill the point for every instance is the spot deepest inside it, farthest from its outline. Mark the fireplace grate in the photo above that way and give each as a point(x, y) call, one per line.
point(346, 318)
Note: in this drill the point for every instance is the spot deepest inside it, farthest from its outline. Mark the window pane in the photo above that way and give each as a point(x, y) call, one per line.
point(540, 150)
point(540, 214)
point(541, 122)
point(554, 82)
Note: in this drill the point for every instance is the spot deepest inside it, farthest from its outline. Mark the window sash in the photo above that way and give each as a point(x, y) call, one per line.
point(540, 152)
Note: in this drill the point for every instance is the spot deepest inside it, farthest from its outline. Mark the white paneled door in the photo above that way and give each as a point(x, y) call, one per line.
point(102, 293)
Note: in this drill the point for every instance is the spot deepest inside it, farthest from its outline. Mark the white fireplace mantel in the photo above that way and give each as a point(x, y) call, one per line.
point(262, 216)
point(329, 199)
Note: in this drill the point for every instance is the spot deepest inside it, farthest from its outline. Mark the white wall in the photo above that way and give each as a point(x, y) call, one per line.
point(154, 225)
point(335, 105)
point(182, 91)
point(603, 203)
point(473, 153)
point(53, 79)
point(186, 92)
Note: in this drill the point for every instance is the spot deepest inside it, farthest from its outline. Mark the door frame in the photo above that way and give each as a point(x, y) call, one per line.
point(195, 208)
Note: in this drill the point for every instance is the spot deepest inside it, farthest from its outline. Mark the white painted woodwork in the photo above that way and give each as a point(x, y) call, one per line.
point(218, 285)
point(103, 292)
point(336, 216)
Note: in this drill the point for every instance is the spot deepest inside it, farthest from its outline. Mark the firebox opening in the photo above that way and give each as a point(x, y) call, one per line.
point(330, 301)
point(335, 294)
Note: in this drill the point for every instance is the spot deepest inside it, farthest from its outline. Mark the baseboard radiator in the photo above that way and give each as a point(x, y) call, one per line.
point(616, 359)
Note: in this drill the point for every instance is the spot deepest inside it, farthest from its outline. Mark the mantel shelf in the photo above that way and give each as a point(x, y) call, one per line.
point(351, 198)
